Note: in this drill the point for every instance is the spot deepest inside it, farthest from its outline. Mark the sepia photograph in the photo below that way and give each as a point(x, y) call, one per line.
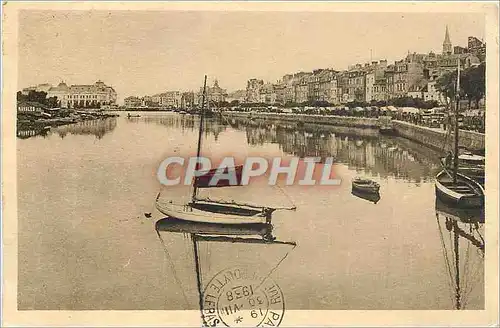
point(242, 164)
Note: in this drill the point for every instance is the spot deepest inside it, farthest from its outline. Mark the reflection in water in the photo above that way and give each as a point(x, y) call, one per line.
point(360, 149)
point(184, 123)
point(98, 128)
point(25, 132)
point(258, 255)
point(375, 256)
point(461, 232)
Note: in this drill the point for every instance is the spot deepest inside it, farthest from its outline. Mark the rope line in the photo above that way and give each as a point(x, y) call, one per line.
point(169, 258)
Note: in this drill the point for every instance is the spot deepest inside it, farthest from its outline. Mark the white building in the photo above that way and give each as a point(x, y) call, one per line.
point(170, 99)
point(83, 96)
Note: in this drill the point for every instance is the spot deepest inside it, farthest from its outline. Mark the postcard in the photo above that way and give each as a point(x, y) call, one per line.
point(250, 164)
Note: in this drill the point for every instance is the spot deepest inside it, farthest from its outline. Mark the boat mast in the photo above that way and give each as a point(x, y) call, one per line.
point(200, 134)
point(198, 276)
point(457, 100)
point(457, 265)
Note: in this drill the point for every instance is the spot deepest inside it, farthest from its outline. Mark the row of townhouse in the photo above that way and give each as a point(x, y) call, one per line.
point(178, 99)
point(413, 76)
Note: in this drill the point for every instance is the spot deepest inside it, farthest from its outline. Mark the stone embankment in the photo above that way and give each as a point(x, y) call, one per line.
point(431, 137)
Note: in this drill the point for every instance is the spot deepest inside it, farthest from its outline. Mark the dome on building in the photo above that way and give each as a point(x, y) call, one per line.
point(62, 85)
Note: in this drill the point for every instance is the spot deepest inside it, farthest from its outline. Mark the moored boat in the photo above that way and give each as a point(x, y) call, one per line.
point(386, 126)
point(454, 187)
point(205, 210)
point(373, 197)
point(215, 212)
point(387, 130)
point(182, 226)
point(365, 185)
point(466, 215)
point(464, 192)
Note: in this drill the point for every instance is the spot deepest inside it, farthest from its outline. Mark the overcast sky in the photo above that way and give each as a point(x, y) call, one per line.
point(141, 53)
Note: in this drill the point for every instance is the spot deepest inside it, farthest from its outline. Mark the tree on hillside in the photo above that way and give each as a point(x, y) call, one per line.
point(473, 84)
point(446, 85)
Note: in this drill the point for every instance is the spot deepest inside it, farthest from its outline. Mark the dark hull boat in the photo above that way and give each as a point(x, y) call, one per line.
point(475, 173)
point(387, 130)
point(454, 187)
point(182, 226)
point(466, 215)
point(365, 186)
point(465, 193)
point(369, 196)
point(472, 169)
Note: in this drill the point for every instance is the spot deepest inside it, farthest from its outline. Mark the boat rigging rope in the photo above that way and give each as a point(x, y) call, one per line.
point(169, 259)
point(470, 276)
point(445, 256)
point(286, 195)
point(275, 267)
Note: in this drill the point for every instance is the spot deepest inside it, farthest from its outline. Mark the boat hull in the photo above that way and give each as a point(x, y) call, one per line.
point(474, 198)
point(474, 173)
point(363, 187)
point(187, 212)
point(387, 131)
point(373, 197)
point(182, 226)
point(466, 215)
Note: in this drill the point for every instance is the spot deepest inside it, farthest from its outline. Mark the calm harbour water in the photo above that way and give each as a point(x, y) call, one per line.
point(84, 242)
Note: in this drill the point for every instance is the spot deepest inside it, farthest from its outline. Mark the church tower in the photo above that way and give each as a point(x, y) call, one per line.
point(447, 48)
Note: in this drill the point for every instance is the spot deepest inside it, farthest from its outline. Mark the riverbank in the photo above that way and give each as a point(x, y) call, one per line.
point(431, 137)
point(40, 122)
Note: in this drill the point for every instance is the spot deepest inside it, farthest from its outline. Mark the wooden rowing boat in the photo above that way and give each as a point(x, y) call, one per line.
point(365, 185)
point(456, 188)
point(373, 197)
point(465, 192)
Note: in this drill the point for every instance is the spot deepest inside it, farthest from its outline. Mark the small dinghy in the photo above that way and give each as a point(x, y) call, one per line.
point(373, 197)
point(365, 185)
point(463, 192)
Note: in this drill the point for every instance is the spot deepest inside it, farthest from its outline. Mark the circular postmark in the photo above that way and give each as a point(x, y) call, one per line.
point(238, 297)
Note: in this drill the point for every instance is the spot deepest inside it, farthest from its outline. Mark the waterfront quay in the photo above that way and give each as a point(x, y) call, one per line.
point(431, 137)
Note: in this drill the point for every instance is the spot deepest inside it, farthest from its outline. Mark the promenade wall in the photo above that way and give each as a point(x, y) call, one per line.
point(434, 138)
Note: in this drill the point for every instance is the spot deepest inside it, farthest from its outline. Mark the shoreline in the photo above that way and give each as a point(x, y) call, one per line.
point(430, 137)
point(55, 122)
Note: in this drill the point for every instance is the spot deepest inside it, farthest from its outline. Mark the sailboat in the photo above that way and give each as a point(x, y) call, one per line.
point(456, 188)
point(206, 210)
point(208, 274)
point(463, 265)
